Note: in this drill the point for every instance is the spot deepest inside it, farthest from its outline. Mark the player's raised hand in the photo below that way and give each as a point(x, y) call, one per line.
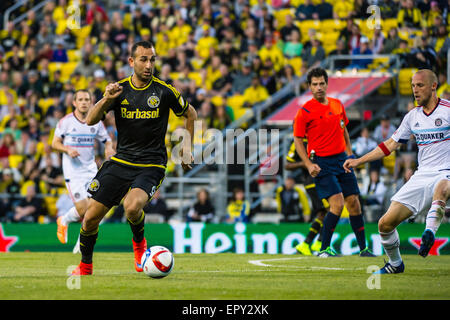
point(113, 90)
point(350, 164)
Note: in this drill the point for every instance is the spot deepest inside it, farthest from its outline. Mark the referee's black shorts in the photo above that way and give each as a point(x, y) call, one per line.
point(114, 180)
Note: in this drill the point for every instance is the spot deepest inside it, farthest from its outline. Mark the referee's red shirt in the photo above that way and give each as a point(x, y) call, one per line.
point(323, 126)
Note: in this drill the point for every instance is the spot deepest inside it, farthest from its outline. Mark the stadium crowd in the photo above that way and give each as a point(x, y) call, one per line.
point(223, 56)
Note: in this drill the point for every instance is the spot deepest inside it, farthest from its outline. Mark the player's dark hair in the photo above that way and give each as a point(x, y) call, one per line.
point(145, 44)
point(317, 73)
point(81, 90)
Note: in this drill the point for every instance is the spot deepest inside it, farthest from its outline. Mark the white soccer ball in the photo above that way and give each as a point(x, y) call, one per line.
point(157, 262)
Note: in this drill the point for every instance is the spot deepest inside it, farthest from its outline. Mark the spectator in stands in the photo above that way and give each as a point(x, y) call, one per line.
point(406, 174)
point(306, 10)
point(256, 93)
point(377, 41)
point(221, 118)
point(384, 130)
point(273, 52)
point(29, 208)
point(51, 175)
point(409, 16)
point(286, 30)
point(11, 187)
point(324, 10)
point(60, 53)
point(422, 56)
point(354, 38)
point(341, 49)
point(362, 49)
point(243, 79)
point(94, 8)
point(292, 202)
point(347, 32)
point(16, 60)
point(157, 205)
point(374, 193)
point(364, 143)
point(202, 210)
point(7, 146)
point(391, 42)
point(293, 47)
point(268, 80)
point(238, 210)
point(222, 86)
point(287, 76)
point(407, 154)
point(314, 55)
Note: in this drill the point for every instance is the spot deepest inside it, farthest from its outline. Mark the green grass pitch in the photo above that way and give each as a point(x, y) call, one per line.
point(42, 275)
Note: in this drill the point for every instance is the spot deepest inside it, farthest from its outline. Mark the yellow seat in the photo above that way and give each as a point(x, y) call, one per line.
point(332, 25)
point(66, 69)
point(305, 25)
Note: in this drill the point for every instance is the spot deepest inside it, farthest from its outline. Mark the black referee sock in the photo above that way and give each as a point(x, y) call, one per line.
point(137, 227)
point(329, 224)
point(315, 228)
point(357, 223)
point(87, 243)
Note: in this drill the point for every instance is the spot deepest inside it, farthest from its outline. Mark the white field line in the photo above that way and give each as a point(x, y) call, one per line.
point(260, 263)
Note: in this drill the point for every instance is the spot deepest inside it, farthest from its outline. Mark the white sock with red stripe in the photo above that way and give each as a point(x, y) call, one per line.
point(435, 215)
point(70, 216)
point(391, 245)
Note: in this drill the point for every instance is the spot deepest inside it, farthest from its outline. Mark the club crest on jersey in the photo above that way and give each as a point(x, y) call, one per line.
point(342, 123)
point(153, 102)
point(94, 185)
point(438, 122)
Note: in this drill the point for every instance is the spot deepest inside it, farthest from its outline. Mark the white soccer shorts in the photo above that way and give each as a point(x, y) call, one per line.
point(417, 193)
point(78, 188)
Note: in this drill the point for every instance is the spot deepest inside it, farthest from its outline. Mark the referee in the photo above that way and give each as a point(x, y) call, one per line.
point(141, 105)
point(322, 120)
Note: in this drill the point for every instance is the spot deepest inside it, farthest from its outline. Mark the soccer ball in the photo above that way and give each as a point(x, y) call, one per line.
point(157, 262)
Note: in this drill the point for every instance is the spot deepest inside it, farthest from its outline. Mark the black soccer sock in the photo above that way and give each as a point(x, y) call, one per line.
point(357, 223)
point(87, 243)
point(137, 227)
point(315, 228)
point(329, 224)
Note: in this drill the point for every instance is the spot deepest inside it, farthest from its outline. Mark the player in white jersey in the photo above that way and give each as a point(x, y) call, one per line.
point(75, 139)
point(430, 184)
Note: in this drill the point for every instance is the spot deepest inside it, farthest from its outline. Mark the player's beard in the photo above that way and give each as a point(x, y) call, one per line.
point(143, 77)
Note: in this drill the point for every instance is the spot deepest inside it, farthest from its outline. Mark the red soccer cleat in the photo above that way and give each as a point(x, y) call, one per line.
point(139, 249)
point(83, 269)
